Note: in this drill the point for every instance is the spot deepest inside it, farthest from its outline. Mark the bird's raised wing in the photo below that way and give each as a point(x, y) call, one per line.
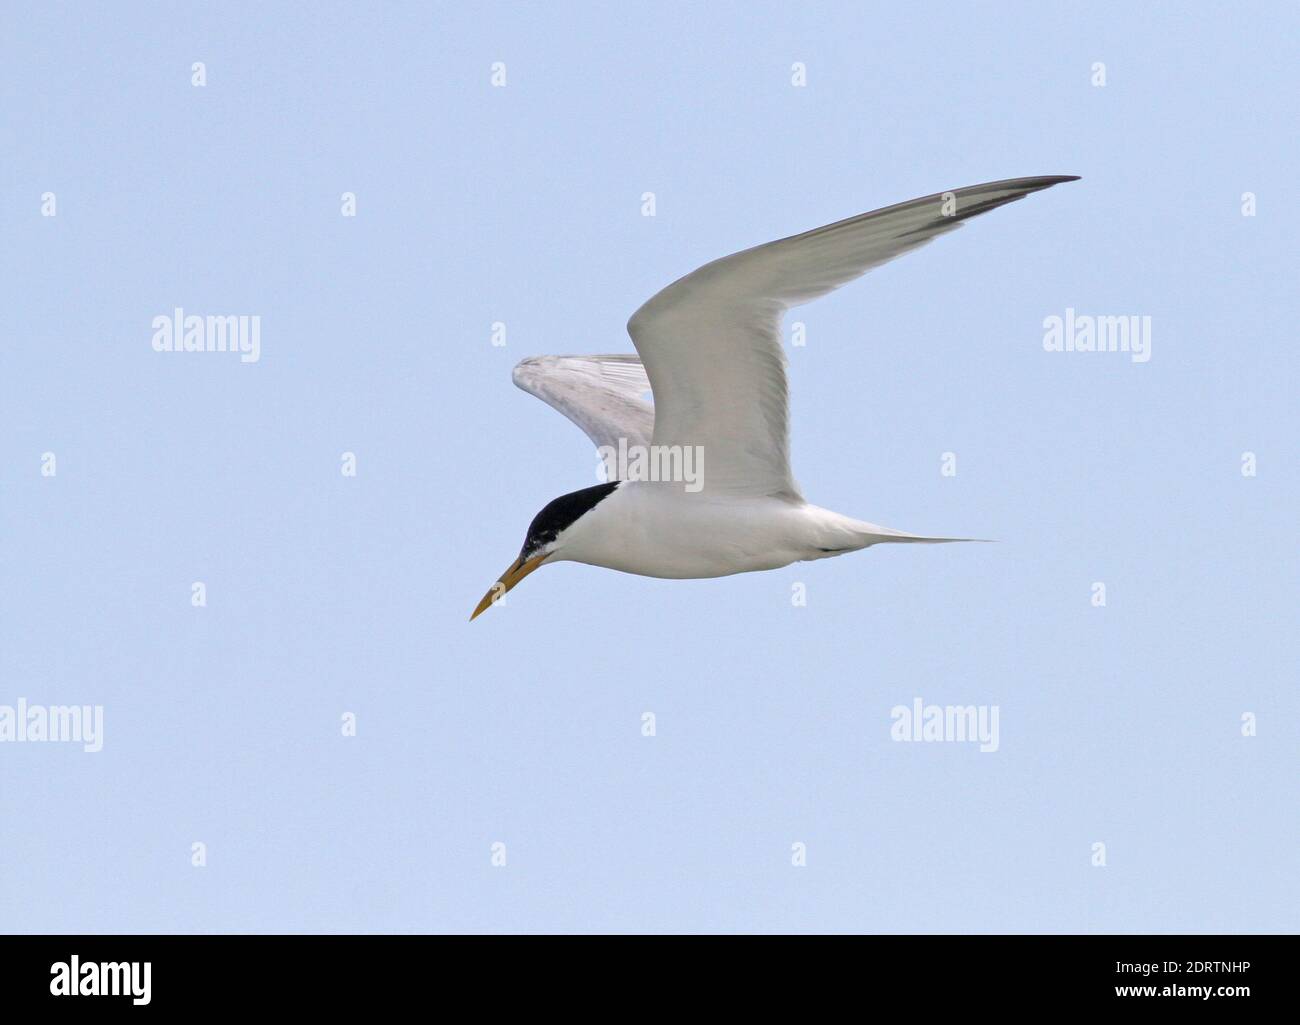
point(604, 395)
point(711, 341)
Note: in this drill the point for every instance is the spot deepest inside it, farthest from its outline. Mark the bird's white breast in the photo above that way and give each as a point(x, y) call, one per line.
point(660, 530)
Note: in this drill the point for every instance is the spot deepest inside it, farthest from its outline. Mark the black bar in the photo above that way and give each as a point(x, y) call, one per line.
point(977, 974)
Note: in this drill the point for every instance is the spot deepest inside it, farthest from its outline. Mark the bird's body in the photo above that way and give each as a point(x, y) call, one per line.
point(710, 351)
point(657, 529)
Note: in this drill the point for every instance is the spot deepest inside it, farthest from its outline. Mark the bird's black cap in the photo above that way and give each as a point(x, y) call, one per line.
point(561, 513)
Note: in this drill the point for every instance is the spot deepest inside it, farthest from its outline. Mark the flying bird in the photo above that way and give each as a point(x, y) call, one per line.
point(711, 357)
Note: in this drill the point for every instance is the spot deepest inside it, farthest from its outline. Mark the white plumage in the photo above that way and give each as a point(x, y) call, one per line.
point(710, 351)
point(604, 395)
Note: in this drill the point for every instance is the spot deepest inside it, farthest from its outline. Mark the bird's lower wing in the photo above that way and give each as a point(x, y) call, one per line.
point(711, 341)
point(603, 395)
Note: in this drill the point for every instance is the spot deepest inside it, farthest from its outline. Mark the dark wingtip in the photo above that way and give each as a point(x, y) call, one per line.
point(1045, 182)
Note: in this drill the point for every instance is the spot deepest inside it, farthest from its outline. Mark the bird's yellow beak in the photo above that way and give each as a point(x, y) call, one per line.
point(518, 570)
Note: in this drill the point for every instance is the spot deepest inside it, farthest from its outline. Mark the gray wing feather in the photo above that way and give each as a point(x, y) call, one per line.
point(605, 396)
point(711, 341)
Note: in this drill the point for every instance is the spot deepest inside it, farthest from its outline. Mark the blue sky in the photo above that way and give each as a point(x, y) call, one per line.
point(475, 204)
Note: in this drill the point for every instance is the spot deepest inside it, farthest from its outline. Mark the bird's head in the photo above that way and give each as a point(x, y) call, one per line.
point(551, 530)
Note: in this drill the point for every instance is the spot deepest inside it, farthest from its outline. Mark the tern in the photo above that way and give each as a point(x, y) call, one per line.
point(710, 357)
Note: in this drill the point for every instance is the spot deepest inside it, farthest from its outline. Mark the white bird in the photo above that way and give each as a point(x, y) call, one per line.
point(710, 353)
